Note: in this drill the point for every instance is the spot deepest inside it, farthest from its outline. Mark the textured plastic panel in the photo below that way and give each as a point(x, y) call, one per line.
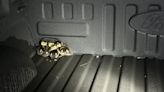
point(113, 27)
point(75, 29)
point(4, 8)
point(17, 70)
point(89, 73)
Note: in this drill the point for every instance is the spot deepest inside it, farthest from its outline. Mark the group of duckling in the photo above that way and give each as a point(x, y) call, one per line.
point(52, 49)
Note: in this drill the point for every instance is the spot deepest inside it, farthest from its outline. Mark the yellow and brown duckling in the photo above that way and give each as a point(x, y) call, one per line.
point(53, 49)
point(54, 55)
point(43, 48)
point(55, 45)
point(64, 51)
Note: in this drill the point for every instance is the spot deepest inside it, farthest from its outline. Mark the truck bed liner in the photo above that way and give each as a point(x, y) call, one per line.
point(110, 27)
point(90, 73)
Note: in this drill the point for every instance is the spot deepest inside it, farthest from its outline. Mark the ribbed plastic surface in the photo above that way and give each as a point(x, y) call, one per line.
point(101, 26)
point(17, 70)
point(88, 73)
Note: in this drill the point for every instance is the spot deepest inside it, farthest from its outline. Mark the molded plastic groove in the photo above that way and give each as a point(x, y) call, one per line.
point(154, 7)
point(59, 75)
point(157, 45)
point(114, 27)
point(45, 77)
point(82, 77)
point(100, 62)
point(152, 40)
point(132, 79)
point(87, 11)
point(108, 27)
point(58, 29)
point(135, 41)
point(151, 43)
point(47, 10)
point(141, 43)
point(161, 48)
point(107, 75)
point(146, 47)
point(129, 42)
point(120, 75)
point(67, 11)
point(57, 10)
point(145, 73)
point(155, 75)
point(71, 74)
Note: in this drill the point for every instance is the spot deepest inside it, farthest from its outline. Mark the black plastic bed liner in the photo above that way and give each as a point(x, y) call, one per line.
point(89, 73)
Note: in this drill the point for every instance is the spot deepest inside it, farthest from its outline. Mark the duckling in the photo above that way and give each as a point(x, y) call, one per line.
point(64, 51)
point(42, 52)
point(43, 43)
point(59, 43)
point(52, 49)
point(50, 43)
point(55, 45)
point(39, 51)
point(54, 55)
point(43, 48)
